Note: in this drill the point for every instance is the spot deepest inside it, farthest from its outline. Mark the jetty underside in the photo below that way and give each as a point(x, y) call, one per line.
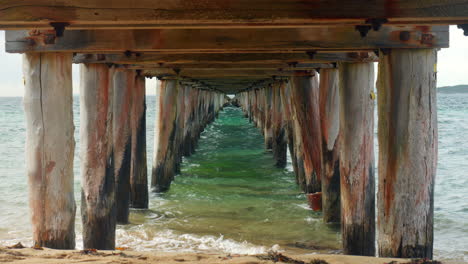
point(302, 71)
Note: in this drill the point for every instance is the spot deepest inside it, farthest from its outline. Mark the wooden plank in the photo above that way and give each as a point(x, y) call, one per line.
point(357, 158)
point(98, 208)
point(165, 59)
point(330, 127)
point(407, 153)
point(50, 148)
point(229, 41)
point(107, 14)
point(138, 169)
point(124, 81)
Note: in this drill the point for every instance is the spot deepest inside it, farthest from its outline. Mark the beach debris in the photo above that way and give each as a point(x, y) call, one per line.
point(89, 251)
point(278, 257)
point(37, 246)
point(121, 248)
point(417, 261)
point(17, 246)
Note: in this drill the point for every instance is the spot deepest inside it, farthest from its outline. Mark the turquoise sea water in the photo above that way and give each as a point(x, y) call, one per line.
point(230, 198)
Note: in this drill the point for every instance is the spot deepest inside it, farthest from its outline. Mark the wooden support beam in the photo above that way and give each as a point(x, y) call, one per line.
point(233, 66)
point(50, 148)
point(225, 59)
point(81, 14)
point(357, 158)
point(165, 133)
point(305, 105)
point(124, 81)
point(407, 153)
point(138, 166)
point(98, 208)
point(344, 38)
point(330, 128)
point(222, 73)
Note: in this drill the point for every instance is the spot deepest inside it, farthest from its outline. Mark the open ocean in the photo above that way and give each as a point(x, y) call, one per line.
point(230, 198)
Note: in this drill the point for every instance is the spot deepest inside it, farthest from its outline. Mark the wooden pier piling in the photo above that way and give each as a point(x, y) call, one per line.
point(330, 128)
point(98, 206)
point(138, 167)
point(407, 152)
point(50, 148)
point(278, 129)
point(357, 158)
point(124, 82)
point(305, 105)
point(165, 136)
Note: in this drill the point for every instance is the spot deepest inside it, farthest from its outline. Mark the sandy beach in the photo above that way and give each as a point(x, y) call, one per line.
point(44, 255)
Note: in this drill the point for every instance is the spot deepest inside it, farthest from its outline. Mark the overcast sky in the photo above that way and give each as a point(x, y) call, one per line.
point(452, 66)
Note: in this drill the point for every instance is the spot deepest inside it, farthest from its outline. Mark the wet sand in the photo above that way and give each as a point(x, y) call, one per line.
point(30, 256)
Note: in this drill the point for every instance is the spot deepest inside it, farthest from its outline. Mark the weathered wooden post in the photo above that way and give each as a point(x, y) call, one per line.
point(330, 127)
point(194, 132)
point(357, 158)
point(267, 117)
point(407, 152)
point(138, 167)
point(124, 82)
point(98, 208)
point(278, 126)
point(188, 120)
point(305, 104)
point(50, 147)
point(180, 121)
point(165, 135)
point(291, 130)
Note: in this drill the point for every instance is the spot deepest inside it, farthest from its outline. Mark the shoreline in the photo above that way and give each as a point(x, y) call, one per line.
point(45, 255)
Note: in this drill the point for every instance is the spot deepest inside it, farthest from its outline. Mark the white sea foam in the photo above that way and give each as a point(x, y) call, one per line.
point(169, 241)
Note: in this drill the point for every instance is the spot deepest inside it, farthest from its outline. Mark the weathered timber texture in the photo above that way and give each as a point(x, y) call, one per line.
point(357, 158)
point(195, 124)
point(188, 121)
point(50, 148)
point(330, 128)
point(124, 82)
point(165, 135)
point(305, 105)
point(108, 14)
point(98, 208)
point(233, 40)
point(180, 122)
point(267, 113)
point(291, 131)
point(138, 166)
point(278, 127)
point(407, 153)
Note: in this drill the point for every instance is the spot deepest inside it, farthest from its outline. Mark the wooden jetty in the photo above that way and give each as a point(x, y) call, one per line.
point(302, 71)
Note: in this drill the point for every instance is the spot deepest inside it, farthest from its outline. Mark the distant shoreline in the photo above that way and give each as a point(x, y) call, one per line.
point(453, 89)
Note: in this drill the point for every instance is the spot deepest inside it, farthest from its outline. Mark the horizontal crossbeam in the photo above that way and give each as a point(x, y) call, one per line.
point(145, 14)
point(344, 38)
point(225, 58)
